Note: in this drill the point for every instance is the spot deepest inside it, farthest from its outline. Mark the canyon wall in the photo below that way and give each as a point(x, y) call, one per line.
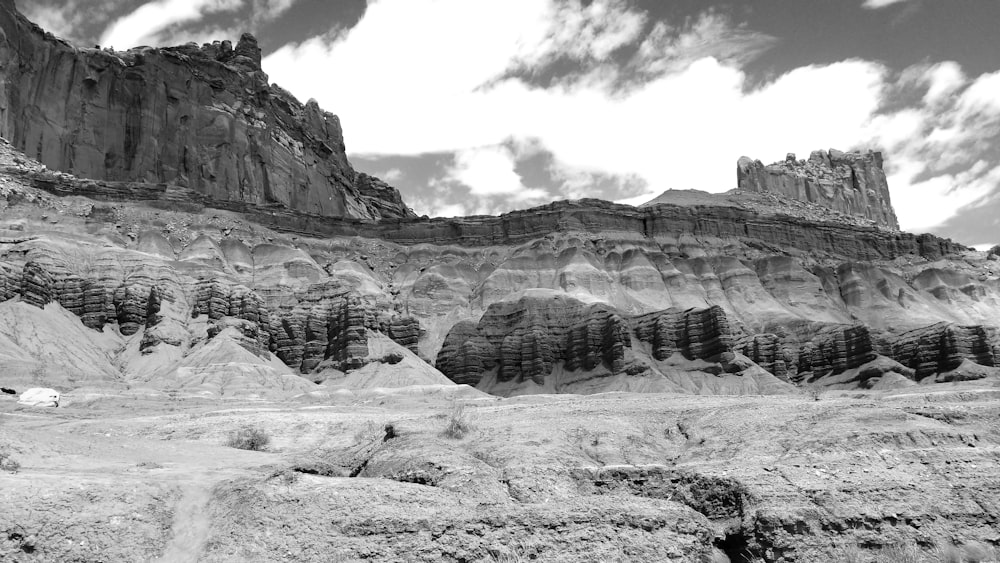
point(204, 118)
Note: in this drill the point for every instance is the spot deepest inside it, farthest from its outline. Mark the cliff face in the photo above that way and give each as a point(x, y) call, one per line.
point(203, 118)
point(223, 225)
point(852, 183)
point(718, 295)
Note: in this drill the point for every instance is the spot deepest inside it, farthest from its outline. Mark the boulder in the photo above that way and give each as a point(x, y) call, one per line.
point(40, 397)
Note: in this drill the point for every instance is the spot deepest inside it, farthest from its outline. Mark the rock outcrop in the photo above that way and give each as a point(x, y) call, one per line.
point(524, 340)
point(943, 347)
point(746, 292)
point(528, 339)
point(695, 333)
point(659, 221)
point(852, 183)
point(204, 118)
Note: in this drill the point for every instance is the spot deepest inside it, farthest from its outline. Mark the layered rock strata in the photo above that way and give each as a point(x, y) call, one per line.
point(825, 350)
point(326, 321)
point(524, 340)
point(942, 347)
point(527, 339)
point(204, 118)
point(852, 183)
point(656, 222)
point(695, 333)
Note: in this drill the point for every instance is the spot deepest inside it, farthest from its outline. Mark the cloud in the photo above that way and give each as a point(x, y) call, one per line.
point(618, 46)
point(71, 20)
point(943, 147)
point(268, 10)
point(145, 24)
point(638, 106)
point(60, 20)
point(672, 131)
point(391, 175)
point(488, 171)
point(879, 4)
point(487, 179)
point(172, 22)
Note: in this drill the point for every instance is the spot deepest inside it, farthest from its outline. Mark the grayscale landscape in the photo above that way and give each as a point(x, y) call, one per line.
point(222, 341)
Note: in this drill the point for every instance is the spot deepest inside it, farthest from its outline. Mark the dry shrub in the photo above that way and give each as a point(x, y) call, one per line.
point(458, 422)
point(7, 462)
point(948, 553)
point(815, 392)
point(248, 438)
point(370, 432)
point(900, 553)
point(976, 552)
point(850, 554)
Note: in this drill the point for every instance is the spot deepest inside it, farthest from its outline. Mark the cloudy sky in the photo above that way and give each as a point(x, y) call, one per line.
point(482, 106)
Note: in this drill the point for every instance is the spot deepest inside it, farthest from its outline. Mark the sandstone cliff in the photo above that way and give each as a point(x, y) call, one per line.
point(797, 279)
point(718, 294)
point(853, 183)
point(199, 117)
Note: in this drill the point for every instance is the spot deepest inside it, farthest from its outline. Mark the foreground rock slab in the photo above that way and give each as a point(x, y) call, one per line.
point(618, 476)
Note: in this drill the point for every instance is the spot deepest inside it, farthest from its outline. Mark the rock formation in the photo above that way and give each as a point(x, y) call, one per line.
point(524, 340)
point(852, 183)
point(695, 333)
point(264, 251)
point(204, 118)
point(943, 347)
point(224, 274)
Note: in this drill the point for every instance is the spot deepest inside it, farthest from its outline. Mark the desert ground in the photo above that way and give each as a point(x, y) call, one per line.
point(449, 474)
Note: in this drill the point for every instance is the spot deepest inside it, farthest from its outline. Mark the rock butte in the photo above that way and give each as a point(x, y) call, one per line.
point(174, 227)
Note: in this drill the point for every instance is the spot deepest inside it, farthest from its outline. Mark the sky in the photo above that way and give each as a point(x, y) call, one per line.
point(484, 106)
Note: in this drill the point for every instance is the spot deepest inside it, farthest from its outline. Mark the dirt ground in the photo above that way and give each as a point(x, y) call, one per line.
point(424, 477)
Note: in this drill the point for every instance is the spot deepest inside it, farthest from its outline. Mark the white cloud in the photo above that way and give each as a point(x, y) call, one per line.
point(487, 171)
point(878, 4)
point(673, 131)
point(592, 32)
point(147, 23)
point(391, 175)
point(60, 20)
point(683, 125)
point(942, 148)
point(67, 18)
point(928, 203)
point(943, 79)
point(267, 10)
point(174, 22)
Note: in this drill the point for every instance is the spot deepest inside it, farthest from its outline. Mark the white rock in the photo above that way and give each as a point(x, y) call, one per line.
point(40, 397)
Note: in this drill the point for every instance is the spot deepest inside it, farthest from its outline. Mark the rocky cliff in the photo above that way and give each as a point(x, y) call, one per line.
point(204, 118)
point(852, 183)
point(719, 294)
point(179, 280)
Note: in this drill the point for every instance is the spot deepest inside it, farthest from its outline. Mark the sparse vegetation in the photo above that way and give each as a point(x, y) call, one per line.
point(391, 358)
point(910, 552)
point(368, 433)
point(849, 554)
point(248, 438)
point(38, 373)
point(458, 422)
point(900, 553)
point(7, 462)
point(973, 552)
